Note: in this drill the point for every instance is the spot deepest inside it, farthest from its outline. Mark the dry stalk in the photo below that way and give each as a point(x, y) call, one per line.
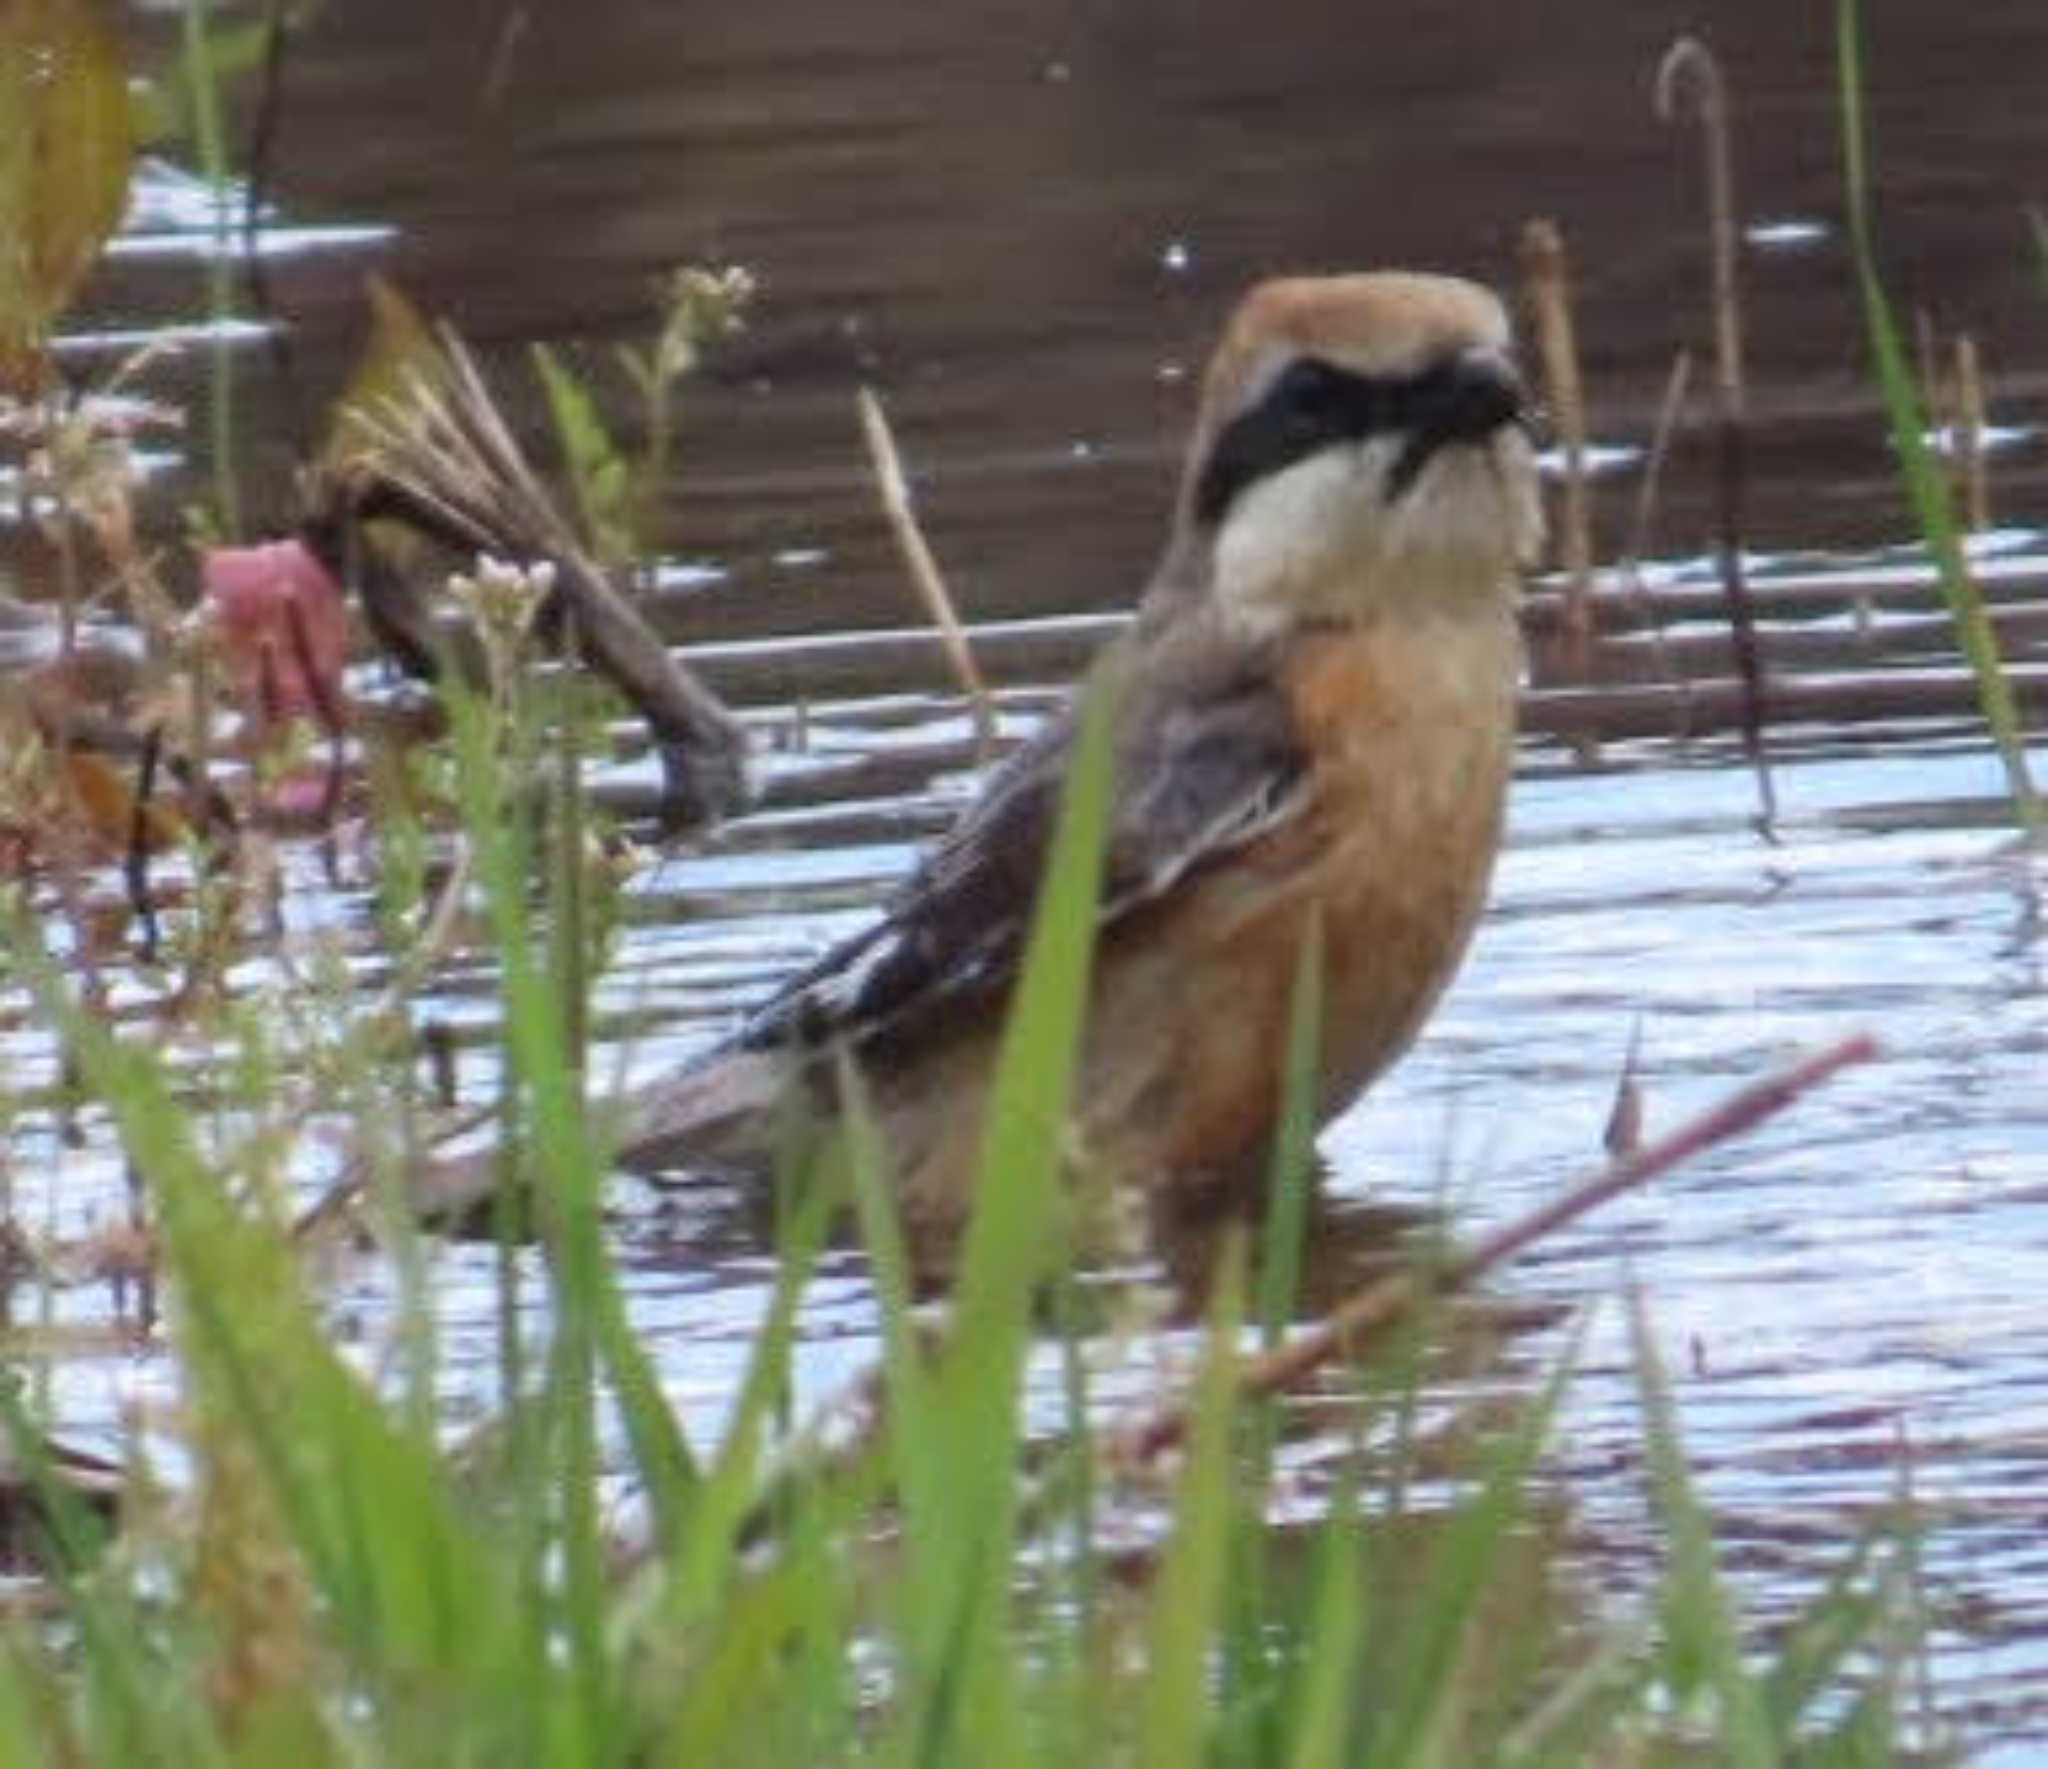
point(1546, 279)
point(894, 491)
point(1367, 1314)
point(1691, 62)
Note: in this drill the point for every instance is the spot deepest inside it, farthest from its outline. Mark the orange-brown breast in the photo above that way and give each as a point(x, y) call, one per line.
point(1410, 727)
point(1409, 724)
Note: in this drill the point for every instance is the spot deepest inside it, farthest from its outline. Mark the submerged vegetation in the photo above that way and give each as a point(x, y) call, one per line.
point(331, 1570)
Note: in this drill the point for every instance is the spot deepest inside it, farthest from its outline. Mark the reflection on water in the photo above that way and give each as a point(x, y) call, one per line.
point(1024, 228)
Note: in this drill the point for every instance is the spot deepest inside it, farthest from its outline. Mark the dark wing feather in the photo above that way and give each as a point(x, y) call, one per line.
point(1206, 759)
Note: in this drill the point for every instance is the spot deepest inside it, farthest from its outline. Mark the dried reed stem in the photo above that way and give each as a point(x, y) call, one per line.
point(1690, 61)
point(1371, 1311)
point(924, 569)
point(1546, 279)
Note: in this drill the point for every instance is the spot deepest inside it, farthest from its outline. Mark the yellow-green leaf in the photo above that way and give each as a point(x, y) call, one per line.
point(65, 152)
point(596, 468)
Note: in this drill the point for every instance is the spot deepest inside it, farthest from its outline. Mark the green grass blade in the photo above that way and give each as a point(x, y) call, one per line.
point(1294, 1144)
point(712, 1538)
point(1179, 1708)
point(36, 1718)
point(1839, 1621)
point(1323, 1699)
point(202, 85)
point(776, 1664)
point(1702, 1648)
point(136, 1720)
point(408, 1586)
point(1598, 1701)
point(914, 1437)
point(1927, 487)
point(1428, 1690)
point(1249, 1662)
point(1010, 1247)
point(603, 481)
point(566, 1165)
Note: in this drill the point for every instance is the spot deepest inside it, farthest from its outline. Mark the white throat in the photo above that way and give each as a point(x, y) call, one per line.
point(1321, 540)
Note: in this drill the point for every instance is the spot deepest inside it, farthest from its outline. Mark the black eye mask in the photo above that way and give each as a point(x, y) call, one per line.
point(1314, 404)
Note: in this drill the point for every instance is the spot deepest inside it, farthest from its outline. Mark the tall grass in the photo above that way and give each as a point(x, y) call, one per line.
point(1930, 494)
point(941, 1593)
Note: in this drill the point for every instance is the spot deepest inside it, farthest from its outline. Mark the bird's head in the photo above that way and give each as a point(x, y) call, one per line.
point(1362, 444)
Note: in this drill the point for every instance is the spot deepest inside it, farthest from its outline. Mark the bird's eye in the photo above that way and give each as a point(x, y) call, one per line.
point(1310, 405)
point(1310, 391)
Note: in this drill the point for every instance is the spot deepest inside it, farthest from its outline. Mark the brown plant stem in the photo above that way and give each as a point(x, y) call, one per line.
point(1690, 61)
point(1371, 1311)
point(894, 491)
point(1546, 278)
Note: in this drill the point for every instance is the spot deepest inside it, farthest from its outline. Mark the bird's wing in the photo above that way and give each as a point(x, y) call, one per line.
point(1206, 758)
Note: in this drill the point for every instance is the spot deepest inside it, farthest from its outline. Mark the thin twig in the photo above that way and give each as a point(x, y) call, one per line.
point(924, 569)
point(1690, 61)
point(136, 869)
point(1371, 1311)
point(1676, 386)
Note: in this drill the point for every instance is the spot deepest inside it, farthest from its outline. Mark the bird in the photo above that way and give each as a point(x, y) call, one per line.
point(1313, 721)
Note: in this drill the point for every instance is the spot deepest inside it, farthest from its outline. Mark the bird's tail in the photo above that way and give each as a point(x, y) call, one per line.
point(723, 1112)
point(442, 460)
point(723, 1115)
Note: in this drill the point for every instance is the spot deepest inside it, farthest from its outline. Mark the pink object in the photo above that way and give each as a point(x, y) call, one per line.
point(283, 626)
